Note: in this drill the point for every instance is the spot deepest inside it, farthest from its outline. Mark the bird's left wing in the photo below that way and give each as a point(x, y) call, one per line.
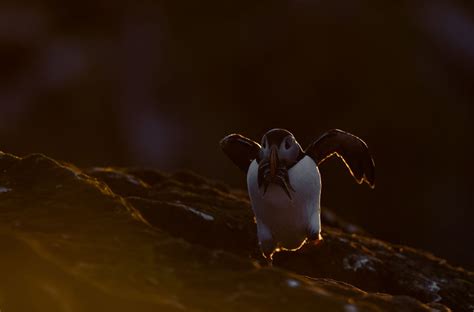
point(241, 150)
point(351, 149)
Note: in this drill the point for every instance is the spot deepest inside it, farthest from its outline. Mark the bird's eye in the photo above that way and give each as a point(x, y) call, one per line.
point(288, 143)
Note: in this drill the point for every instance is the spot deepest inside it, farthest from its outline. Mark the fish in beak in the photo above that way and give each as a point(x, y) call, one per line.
point(272, 170)
point(273, 161)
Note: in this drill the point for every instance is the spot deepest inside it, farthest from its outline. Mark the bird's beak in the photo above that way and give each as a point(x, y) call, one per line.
point(271, 171)
point(273, 161)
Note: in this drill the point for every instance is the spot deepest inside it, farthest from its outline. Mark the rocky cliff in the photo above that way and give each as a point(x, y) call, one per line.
point(110, 239)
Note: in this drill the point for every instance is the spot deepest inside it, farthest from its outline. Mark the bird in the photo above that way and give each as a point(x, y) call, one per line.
point(284, 182)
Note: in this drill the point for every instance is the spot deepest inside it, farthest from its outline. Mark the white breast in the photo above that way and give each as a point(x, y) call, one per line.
point(287, 221)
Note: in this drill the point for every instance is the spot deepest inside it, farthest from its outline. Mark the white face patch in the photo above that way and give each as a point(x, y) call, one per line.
point(288, 150)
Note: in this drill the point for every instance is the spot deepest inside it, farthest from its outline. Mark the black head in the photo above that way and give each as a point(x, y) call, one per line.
point(279, 152)
point(284, 143)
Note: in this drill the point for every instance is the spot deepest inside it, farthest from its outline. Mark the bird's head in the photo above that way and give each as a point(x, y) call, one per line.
point(279, 152)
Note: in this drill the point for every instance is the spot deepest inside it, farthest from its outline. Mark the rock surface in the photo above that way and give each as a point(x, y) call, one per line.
point(140, 240)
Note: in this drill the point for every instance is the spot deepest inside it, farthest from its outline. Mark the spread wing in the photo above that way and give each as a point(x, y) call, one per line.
point(241, 150)
point(351, 149)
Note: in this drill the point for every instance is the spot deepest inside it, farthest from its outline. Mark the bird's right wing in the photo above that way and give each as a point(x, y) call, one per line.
point(241, 150)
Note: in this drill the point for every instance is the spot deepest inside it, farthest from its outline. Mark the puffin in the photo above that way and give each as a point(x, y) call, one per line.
point(284, 183)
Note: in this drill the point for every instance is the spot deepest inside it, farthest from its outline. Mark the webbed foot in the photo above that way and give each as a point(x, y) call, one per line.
point(315, 238)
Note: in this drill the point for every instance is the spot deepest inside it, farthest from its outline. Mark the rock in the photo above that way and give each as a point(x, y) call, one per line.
point(140, 240)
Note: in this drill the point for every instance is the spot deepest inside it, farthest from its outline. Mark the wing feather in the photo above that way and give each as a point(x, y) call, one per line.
point(241, 150)
point(351, 149)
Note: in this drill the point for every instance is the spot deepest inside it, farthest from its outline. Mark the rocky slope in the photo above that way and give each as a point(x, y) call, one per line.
point(140, 240)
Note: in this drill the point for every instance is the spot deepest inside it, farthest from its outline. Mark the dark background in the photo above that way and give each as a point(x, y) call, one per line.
point(159, 83)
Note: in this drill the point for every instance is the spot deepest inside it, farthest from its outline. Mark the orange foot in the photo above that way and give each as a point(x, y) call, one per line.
point(316, 240)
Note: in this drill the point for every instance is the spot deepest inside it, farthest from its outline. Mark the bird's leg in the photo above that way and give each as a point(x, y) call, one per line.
point(268, 249)
point(266, 241)
point(315, 238)
point(314, 230)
